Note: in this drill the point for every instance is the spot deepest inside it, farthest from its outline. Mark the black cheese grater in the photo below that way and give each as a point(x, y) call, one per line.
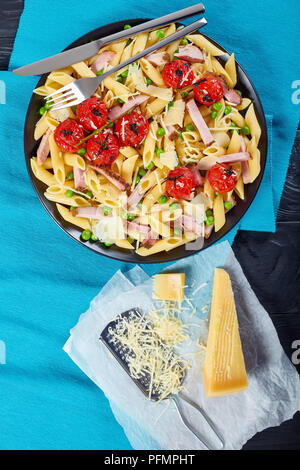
point(121, 353)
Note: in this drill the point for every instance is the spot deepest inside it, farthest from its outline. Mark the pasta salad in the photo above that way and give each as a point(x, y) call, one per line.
point(159, 154)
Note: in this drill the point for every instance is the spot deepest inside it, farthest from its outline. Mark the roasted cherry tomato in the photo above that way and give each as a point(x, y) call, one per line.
point(180, 182)
point(92, 113)
point(103, 148)
point(178, 74)
point(222, 178)
point(132, 129)
point(68, 134)
point(208, 90)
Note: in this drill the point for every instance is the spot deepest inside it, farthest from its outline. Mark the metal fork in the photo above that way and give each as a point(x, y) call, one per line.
point(79, 90)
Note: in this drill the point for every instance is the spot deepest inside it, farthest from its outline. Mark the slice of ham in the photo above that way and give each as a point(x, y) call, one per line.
point(190, 53)
point(207, 230)
point(230, 94)
point(117, 111)
point(103, 59)
point(79, 179)
point(150, 239)
point(197, 175)
point(191, 225)
point(245, 168)
point(90, 212)
point(158, 58)
point(113, 177)
point(206, 163)
point(140, 228)
point(43, 149)
point(199, 122)
point(172, 132)
point(136, 195)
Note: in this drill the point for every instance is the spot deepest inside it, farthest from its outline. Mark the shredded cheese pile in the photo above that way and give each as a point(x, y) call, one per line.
point(151, 362)
point(168, 325)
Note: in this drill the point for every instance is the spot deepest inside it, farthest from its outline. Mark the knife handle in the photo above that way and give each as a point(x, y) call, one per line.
point(157, 23)
point(164, 42)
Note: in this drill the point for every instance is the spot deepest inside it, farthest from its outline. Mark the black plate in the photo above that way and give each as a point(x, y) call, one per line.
point(233, 217)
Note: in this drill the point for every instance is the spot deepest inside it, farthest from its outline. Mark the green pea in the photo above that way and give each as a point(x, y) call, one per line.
point(161, 132)
point(189, 127)
point(127, 26)
point(180, 134)
point(100, 72)
point(121, 101)
point(130, 217)
point(74, 109)
point(227, 110)
point(208, 213)
point(173, 206)
point(184, 42)
point(158, 151)
point(170, 104)
point(81, 151)
point(140, 205)
point(185, 94)
point(70, 175)
point(217, 106)
point(227, 205)
point(72, 208)
point(125, 73)
point(120, 79)
point(210, 220)
point(86, 235)
point(138, 179)
point(107, 244)
point(69, 193)
point(177, 232)
point(150, 166)
point(160, 34)
point(111, 124)
point(107, 210)
point(94, 238)
point(47, 105)
point(214, 115)
point(233, 124)
point(89, 194)
point(176, 52)
point(162, 199)
point(142, 171)
point(42, 110)
point(216, 194)
point(239, 92)
point(245, 130)
point(143, 143)
point(148, 81)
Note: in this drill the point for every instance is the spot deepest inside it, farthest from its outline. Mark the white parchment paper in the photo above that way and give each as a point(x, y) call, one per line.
point(273, 394)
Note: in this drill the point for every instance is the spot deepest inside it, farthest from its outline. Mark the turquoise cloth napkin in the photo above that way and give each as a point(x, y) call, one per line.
point(46, 278)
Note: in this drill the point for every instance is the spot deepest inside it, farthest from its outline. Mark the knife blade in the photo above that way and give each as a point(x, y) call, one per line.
point(77, 54)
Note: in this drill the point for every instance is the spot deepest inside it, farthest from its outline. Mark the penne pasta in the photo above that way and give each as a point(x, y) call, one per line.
point(146, 150)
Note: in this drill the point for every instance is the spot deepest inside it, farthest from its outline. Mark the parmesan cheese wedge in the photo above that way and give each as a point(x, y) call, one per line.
point(224, 367)
point(169, 286)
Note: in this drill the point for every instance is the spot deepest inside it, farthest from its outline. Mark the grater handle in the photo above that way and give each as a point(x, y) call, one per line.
point(176, 399)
